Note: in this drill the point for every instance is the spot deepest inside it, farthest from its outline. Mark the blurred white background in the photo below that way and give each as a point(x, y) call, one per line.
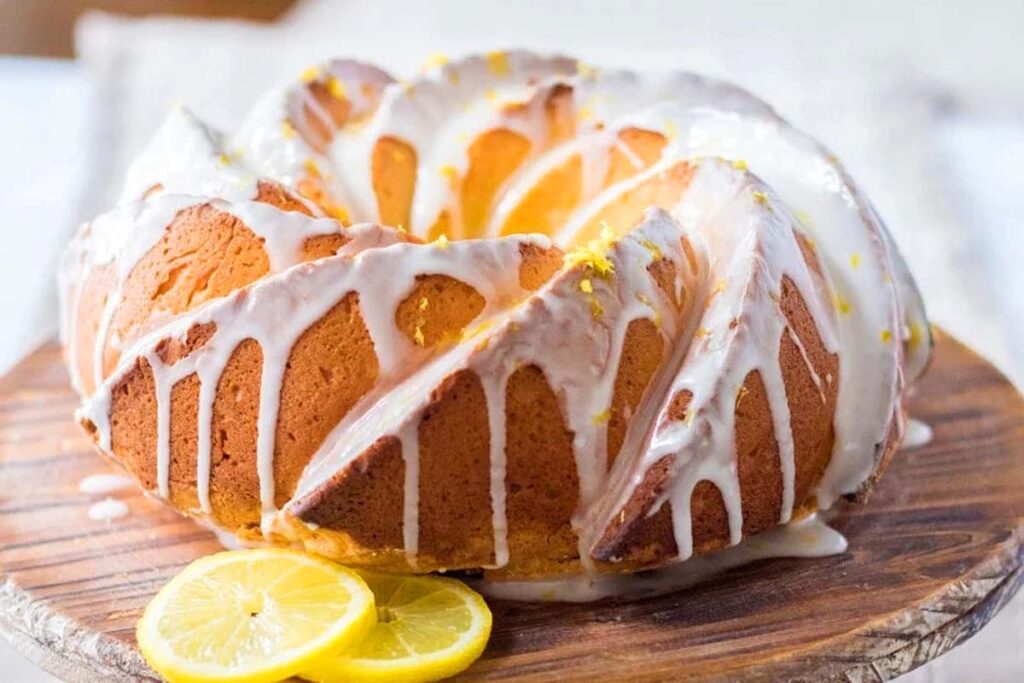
point(924, 102)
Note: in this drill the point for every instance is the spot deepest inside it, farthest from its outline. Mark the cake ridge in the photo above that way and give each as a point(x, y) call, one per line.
point(509, 344)
point(299, 296)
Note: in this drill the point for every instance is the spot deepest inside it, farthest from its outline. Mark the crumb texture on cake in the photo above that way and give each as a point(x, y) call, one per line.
point(515, 314)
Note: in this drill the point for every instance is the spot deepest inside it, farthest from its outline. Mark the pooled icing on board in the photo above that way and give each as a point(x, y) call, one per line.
point(919, 434)
point(98, 484)
point(107, 510)
point(809, 537)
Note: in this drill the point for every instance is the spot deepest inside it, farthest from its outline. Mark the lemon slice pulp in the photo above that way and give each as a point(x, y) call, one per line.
point(253, 615)
point(427, 628)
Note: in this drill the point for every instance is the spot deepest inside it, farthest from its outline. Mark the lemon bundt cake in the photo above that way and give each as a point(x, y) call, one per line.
point(515, 314)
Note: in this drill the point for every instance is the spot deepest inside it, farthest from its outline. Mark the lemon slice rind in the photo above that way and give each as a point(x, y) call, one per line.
point(327, 638)
point(414, 668)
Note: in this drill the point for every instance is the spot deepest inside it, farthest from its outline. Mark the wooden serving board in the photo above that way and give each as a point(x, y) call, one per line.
point(933, 556)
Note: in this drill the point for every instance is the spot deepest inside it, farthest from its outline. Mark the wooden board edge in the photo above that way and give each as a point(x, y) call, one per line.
point(61, 646)
point(910, 638)
point(942, 621)
point(935, 623)
point(905, 641)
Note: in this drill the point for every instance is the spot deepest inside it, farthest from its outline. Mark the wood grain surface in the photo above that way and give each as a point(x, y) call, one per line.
point(933, 555)
point(47, 28)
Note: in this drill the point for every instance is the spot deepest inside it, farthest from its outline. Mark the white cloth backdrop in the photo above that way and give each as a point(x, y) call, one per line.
point(923, 101)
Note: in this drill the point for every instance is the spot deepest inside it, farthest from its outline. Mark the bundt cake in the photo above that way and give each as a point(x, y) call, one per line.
point(515, 314)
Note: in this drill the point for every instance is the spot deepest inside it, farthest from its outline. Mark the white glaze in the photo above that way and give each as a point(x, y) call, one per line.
point(808, 181)
point(753, 246)
point(276, 139)
point(918, 434)
point(99, 484)
point(187, 157)
point(124, 236)
point(411, 493)
point(809, 537)
point(107, 510)
point(436, 113)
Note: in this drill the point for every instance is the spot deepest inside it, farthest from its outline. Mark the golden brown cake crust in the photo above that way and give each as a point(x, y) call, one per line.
point(330, 368)
point(638, 538)
point(358, 515)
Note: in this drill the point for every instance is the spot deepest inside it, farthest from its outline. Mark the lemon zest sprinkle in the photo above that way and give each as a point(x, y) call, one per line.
point(760, 198)
point(601, 418)
point(854, 260)
point(435, 60)
point(842, 305)
point(340, 212)
point(417, 336)
point(311, 167)
point(497, 62)
point(287, 130)
point(310, 74)
point(645, 300)
point(655, 250)
point(586, 286)
point(671, 131)
point(886, 336)
point(740, 164)
point(719, 287)
point(441, 241)
point(916, 335)
point(336, 88)
point(477, 330)
point(594, 254)
point(424, 303)
point(449, 172)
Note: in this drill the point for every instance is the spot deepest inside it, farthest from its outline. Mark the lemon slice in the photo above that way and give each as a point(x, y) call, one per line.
point(427, 628)
point(253, 615)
